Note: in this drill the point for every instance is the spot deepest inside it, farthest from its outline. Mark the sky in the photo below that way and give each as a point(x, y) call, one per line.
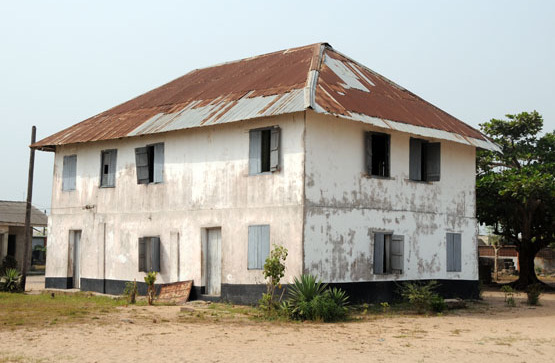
point(64, 61)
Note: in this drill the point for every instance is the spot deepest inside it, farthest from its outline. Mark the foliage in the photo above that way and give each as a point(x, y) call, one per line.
point(385, 306)
point(422, 296)
point(533, 293)
point(437, 304)
point(509, 293)
point(10, 281)
point(150, 279)
point(8, 262)
point(131, 291)
point(274, 270)
point(310, 299)
point(516, 188)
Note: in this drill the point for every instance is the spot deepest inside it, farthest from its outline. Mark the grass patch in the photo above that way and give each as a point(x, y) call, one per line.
point(21, 310)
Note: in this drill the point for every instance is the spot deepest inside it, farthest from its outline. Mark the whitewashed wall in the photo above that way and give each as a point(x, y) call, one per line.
point(206, 184)
point(344, 207)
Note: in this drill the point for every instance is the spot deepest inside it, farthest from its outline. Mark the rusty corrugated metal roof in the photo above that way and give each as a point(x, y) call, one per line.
point(311, 77)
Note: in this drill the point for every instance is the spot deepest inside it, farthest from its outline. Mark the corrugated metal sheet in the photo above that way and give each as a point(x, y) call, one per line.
point(312, 77)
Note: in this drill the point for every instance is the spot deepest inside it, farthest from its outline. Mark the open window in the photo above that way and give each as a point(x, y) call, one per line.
point(264, 145)
point(69, 172)
point(149, 254)
point(453, 252)
point(388, 253)
point(108, 168)
point(377, 153)
point(150, 163)
point(259, 246)
point(425, 160)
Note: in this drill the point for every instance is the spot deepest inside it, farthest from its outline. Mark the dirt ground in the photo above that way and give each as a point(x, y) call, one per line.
point(488, 330)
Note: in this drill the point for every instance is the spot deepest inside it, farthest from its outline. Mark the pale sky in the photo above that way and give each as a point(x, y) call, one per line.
point(64, 61)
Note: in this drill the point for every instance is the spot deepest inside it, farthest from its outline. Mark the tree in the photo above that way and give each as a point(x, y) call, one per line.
point(515, 189)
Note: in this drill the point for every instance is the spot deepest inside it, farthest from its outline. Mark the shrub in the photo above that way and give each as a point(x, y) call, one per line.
point(131, 291)
point(274, 270)
point(437, 304)
point(421, 296)
point(310, 299)
point(533, 293)
point(150, 279)
point(8, 262)
point(10, 281)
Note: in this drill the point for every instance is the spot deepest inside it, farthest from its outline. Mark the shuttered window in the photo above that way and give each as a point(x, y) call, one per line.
point(454, 252)
point(69, 172)
point(108, 168)
point(264, 150)
point(149, 254)
point(388, 253)
point(424, 160)
point(376, 153)
point(149, 162)
point(259, 246)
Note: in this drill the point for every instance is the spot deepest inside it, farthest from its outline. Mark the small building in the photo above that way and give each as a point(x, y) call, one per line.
point(12, 229)
point(365, 183)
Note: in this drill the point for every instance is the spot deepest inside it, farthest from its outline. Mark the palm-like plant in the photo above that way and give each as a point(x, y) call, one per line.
point(11, 280)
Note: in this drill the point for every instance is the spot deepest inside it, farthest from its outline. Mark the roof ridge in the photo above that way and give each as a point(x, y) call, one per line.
point(312, 75)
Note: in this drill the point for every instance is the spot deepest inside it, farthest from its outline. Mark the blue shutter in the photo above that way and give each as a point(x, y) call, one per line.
point(379, 241)
point(274, 149)
point(69, 172)
point(155, 254)
point(415, 159)
point(142, 254)
point(397, 253)
point(433, 161)
point(158, 163)
point(112, 168)
point(258, 246)
point(255, 151)
point(141, 161)
point(454, 252)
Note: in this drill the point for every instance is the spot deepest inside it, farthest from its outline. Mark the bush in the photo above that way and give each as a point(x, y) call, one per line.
point(274, 270)
point(533, 293)
point(8, 262)
point(10, 281)
point(509, 295)
point(150, 279)
point(422, 296)
point(310, 299)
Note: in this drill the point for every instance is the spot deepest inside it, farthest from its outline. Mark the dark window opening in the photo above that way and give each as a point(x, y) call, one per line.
point(150, 153)
point(377, 154)
point(11, 245)
point(264, 151)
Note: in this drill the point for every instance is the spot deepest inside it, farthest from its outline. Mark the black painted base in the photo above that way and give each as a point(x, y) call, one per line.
point(359, 292)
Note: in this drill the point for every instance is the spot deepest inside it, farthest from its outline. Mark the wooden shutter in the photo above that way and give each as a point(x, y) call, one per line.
point(368, 152)
point(433, 161)
point(379, 241)
point(258, 246)
point(141, 161)
point(415, 159)
point(255, 151)
point(155, 254)
point(158, 163)
point(69, 172)
point(454, 252)
point(274, 148)
point(112, 168)
point(142, 254)
point(397, 253)
point(108, 177)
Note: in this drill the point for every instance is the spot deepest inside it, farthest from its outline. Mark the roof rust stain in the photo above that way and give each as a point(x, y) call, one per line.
point(260, 86)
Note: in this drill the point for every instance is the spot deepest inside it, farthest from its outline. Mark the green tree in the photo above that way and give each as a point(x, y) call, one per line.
point(515, 189)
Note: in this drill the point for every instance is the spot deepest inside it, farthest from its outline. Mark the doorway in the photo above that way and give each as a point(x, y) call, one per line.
point(213, 261)
point(75, 257)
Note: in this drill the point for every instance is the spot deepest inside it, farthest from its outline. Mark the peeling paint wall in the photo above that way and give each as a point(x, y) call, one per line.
point(344, 207)
point(206, 184)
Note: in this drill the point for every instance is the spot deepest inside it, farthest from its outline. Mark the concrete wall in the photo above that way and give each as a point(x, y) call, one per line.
point(206, 184)
point(344, 206)
point(19, 233)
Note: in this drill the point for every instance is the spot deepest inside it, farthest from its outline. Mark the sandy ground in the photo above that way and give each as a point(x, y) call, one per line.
point(489, 331)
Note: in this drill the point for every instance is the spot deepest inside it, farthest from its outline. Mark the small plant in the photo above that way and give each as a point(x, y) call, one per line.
point(385, 307)
point(533, 293)
point(274, 270)
point(421, 296)
point(131, 291)
point(150, 279)
point(8, 262)
point(509, 293)
point(437, 304)
point(11, 281)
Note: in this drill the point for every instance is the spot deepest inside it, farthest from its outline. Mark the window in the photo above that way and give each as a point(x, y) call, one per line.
point(11, 245)
point(108, 168)
point(377, 154)
point(149, 254)
point(150, 163)
point(69, 172)
point(264, 150)
point(454, 252)
point(259, 246)
point(424, 163)
point(388, 253)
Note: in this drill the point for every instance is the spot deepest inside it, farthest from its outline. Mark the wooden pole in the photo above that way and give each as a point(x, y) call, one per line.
point(28, 234)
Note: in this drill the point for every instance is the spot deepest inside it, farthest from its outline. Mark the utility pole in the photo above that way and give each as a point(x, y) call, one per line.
point(28, 234)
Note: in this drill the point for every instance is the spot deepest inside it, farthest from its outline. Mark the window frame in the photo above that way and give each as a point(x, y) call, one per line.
point(105, 181)
point(369, 153)
point(256, 152)
point(153, 164)
point(425, 160)
point(388, 259)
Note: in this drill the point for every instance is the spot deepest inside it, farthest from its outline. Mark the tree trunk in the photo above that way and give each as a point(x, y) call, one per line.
point(527, 275)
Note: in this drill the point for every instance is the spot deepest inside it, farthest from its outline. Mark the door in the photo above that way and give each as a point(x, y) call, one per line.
point(76, 259)
point(213, 261)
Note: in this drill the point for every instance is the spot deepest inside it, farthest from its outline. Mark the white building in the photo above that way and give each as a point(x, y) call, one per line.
point(362, 181)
